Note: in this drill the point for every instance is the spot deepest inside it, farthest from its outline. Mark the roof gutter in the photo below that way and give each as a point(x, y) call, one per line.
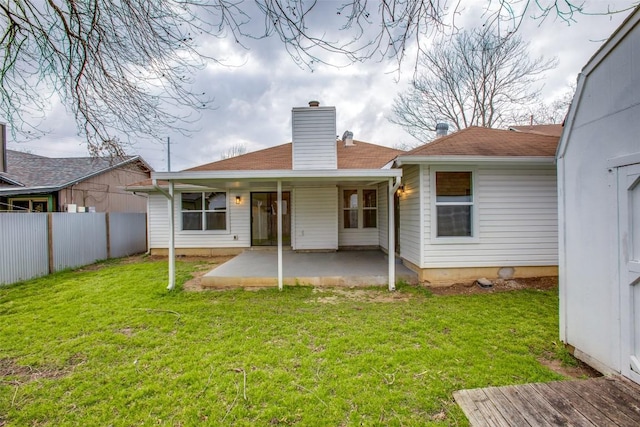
point(28, 190)
point(9, 180)
point(155, 184)
point(270, 175)
point(414, 160)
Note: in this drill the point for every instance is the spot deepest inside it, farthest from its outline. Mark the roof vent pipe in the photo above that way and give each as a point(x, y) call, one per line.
point(442, 129)
point(347, 138)
point(314, 103)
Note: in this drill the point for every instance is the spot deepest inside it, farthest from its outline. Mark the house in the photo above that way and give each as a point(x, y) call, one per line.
point(494, 213)
point(33, 183)
point(599, 208)
point(477, 203)
point(313, 194)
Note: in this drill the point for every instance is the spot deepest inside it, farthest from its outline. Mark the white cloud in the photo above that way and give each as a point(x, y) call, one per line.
point(253, 101)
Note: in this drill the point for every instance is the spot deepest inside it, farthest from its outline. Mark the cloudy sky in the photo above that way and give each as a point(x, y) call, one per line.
point(253, 102)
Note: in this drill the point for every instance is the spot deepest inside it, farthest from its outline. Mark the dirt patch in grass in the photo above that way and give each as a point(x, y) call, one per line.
point(203, 266)
point(335, 295)
point(108, 263)
point(13, 373)
point(578, 371)
point(540, 283)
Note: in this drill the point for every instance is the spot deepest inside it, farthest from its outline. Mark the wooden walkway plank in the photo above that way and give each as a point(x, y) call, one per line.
point(603, 401)
point(465, 400)
point(579, 402)
point(613, 409)
point(482, 405)
point(508, 411)
point(518, 400)
point(625, 385)
point(489, 407)
point(550, 413)
point(627, 397)
point(559, 402)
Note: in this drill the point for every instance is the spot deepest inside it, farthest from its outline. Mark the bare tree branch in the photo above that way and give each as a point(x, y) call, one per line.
point(233, 151)
point(545, 113)
point(478, 79)
point(124, 68)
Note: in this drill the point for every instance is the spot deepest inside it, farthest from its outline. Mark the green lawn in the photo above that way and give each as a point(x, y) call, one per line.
point(111, 346)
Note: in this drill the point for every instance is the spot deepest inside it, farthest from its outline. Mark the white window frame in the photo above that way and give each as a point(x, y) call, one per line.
point(202, 230)
point(360, 208)
point(474, 238)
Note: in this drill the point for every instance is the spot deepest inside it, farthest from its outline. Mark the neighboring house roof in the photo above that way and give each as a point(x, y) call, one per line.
point(551, 130)
point(485, 142)
point(361, 155)
point(30, 173)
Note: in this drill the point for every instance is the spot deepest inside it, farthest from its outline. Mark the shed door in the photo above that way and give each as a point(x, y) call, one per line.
point(629, 217)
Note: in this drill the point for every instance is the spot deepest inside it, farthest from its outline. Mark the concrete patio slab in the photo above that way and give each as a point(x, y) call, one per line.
point(343, 268)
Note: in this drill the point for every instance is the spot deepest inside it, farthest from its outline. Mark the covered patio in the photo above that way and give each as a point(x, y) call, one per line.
point(259, 268)
point(321, 220)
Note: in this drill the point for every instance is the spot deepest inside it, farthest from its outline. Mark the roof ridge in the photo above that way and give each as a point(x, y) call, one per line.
point(440, 140)
point(483, 141)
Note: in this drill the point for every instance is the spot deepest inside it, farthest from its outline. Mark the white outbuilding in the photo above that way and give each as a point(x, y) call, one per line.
point(598, 161)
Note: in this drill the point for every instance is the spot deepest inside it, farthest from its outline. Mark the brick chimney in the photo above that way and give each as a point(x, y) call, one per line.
point(314, 137)
point(3, 147)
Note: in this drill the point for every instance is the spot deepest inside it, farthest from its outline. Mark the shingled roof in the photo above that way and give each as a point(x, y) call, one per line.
point(27, 172)
point(361, 155)
point(479, 141)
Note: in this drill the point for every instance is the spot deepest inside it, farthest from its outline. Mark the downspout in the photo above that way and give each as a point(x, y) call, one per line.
point(393, 185)
point(172, 249)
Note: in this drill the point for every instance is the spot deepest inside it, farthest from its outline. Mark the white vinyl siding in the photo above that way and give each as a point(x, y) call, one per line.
point(410, 237)
point(360, 236)
point(516, 211)
point(158, 219)
point(314, 138)
point(238, 234)
point(315, 218)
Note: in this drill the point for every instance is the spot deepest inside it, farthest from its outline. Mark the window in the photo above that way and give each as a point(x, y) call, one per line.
point(454, 204)
point(350, 213)
point(204, 211)
point(369, 209)
point(360, 207)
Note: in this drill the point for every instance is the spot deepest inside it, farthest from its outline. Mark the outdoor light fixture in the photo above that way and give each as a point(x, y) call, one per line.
point(401, 189)
point(238, 200)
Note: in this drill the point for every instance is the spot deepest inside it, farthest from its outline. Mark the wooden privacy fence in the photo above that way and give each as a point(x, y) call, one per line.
point(37, 244)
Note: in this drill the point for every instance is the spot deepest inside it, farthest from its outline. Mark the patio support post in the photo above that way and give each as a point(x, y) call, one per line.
point(172, 242)
point(391, 250)
point(279, 235)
